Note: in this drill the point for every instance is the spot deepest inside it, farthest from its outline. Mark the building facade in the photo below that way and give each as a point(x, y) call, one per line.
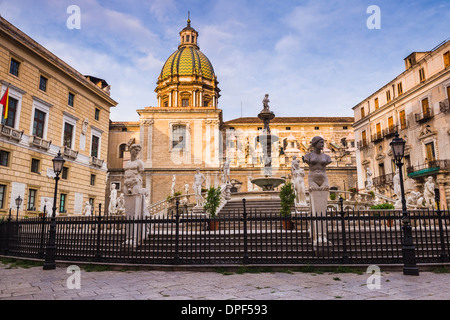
point(414, 104)
point(52, 108)
point(186, 132)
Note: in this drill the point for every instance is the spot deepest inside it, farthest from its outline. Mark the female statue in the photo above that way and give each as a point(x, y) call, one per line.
point(317, 161)
point(297, 180)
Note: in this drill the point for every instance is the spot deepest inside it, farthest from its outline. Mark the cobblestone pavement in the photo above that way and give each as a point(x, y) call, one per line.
point(37, 284)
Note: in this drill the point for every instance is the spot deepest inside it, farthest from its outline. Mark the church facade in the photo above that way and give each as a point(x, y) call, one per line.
point(186, 131)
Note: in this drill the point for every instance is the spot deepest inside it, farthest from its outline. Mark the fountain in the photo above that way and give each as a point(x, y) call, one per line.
point(266, 139)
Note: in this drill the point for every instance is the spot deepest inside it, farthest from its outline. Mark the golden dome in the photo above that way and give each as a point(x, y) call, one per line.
point(188, 60)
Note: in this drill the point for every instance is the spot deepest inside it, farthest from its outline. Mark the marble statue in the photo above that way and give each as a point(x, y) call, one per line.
point(87, 211)
point(84, 126)
point(186, 188)
point(172, 190)
point(199, 179)
point(121, 204)
point(428, 193)
point(413, 198)
point(266, 103)
point(133, 172)
point(397, 190)
point(48, 207)
point(317, 161)
point(369, 183)
point(226, 171)
point(112, 208)
point(318, 190)
point(298, 182)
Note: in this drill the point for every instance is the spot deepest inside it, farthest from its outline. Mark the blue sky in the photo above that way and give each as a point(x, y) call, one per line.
point(314, 58)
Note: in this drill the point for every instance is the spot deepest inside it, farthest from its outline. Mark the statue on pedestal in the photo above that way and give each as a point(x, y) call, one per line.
point(133, 172)
point(266, 103)
point(298, 175)
point(172, 190)
point(397, 190)
point(428, 193)
point(199, 179)
point(121, 204)
point(112, 208)
point(369, 182)
point(87, 211)
point(226, 171)
point(318, 190)
point(317, 161)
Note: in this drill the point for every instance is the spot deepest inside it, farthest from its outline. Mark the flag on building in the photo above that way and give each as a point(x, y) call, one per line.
point(4, 101)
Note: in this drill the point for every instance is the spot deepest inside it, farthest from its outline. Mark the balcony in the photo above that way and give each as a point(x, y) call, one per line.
point(383, 180)
point(377, 137)
point(69, 153)
point(96, 162)
point(10, 133)
point(430, 167)
point(40, 142)
point(362, 145)
point(424, 116)
point(390, 131)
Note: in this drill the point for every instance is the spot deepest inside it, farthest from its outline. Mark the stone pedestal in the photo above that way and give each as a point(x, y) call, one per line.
point(318, 229)
point(134, 210)
point(301, 212)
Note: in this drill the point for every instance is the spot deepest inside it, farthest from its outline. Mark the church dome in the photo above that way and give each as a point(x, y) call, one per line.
point(187, 78)
point(187, 61)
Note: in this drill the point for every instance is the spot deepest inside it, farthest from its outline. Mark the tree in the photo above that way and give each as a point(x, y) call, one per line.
point(287, 197)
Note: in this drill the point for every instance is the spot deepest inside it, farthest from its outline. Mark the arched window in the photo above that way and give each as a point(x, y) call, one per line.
point(122, 148)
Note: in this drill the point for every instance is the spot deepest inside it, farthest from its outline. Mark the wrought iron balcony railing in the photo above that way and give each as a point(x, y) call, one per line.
point(424, 116)
point(390, 131)
point(385, 179)
point(377, 137)
point(428, 168)
point(362, 145)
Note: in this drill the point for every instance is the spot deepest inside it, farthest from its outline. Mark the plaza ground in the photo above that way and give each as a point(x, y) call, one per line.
point(27, 281)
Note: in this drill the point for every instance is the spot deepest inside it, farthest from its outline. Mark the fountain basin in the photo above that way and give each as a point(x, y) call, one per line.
point(268, 183)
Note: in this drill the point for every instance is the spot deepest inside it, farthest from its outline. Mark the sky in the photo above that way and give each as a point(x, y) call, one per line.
point(314, 58)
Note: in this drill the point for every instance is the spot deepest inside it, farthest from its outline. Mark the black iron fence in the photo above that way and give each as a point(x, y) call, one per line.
point(241, 237)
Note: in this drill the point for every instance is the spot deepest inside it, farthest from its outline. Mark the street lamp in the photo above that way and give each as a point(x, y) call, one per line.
point(49, 264)
point(19, 201)
point(408, 250)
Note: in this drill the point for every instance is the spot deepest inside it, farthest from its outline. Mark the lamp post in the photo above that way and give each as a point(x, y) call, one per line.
point(19, 201)
point(408, 250)
point(49, 263)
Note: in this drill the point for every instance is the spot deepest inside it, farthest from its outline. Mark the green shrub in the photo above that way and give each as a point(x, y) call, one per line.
point(382, 206)
point(332, 196)
point(287, 197)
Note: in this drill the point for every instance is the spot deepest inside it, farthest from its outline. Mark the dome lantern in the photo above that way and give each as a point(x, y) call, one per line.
point(188, 36)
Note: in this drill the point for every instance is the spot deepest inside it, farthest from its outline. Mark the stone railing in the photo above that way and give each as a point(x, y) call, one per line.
point(10, 133)
point(96, 162)
point(72, 154)
point(39, 142)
